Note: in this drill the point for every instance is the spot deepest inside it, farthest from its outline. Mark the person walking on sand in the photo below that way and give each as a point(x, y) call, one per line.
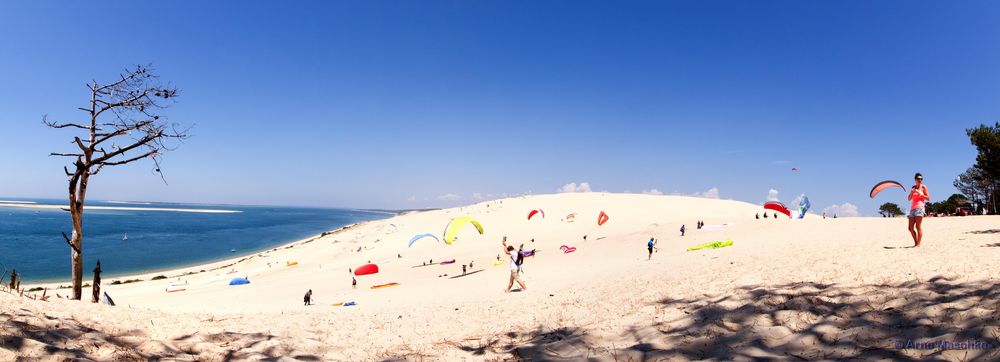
point(918, 198)
point(308, 297)
point(516, 258)
point(682, 230)
point(650, 245)
point(354, 283)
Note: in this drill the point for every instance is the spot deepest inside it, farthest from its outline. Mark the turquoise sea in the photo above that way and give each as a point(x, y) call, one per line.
point(138, 241)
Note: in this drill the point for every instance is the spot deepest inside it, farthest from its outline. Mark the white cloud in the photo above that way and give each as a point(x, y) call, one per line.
point(781, 162)
point(846, 209)
point(572, 187)
point(794, 205)
point(712, 193)
point(652, 192)
point(412, 198)
point(477, 196)
point(449, 197)
point(772, 195)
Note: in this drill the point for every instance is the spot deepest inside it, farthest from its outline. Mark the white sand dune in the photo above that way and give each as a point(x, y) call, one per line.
point(809, 289)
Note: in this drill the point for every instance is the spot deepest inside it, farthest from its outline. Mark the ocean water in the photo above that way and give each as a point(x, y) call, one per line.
point(30, 239)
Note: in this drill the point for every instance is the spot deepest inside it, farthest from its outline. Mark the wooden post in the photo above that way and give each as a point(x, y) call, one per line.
point(13, 275)
point(97, 283)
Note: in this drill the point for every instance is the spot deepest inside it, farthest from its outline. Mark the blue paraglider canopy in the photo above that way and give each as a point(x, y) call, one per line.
point(804, 206)
point(239, 281)
point(421, 236)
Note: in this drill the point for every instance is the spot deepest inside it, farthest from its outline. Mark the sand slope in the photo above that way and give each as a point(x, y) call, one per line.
point(812, 289)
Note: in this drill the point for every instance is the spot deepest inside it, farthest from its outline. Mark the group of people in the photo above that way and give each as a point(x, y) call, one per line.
point(918, 197)
point(765, 216)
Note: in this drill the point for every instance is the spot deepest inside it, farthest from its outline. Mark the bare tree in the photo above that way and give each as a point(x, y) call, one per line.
point(124, 127)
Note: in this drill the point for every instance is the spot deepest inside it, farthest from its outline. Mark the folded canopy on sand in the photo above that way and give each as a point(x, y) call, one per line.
point(239, 281)
point(712, 245)
point(366, 269)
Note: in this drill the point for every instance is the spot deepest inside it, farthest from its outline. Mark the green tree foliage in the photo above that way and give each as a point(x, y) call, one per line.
point(890, 210)
point(984, 177)
point(951, 205)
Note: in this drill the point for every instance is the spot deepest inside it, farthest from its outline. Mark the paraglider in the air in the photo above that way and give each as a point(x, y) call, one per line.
point(536, 212)
point(421, 236)
point(779, 207)
point(602, 218)
point(879, 187)
point(456, 225)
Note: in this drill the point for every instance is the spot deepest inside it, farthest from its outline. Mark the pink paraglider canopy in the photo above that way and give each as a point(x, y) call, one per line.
point(884, 185)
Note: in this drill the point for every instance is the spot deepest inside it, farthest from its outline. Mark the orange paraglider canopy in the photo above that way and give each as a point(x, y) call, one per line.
point(602, 218)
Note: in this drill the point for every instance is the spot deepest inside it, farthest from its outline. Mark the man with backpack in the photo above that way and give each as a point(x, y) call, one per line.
point(516, 259)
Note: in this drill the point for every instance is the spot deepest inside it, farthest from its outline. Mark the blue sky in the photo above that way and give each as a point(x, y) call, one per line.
point(425, 104)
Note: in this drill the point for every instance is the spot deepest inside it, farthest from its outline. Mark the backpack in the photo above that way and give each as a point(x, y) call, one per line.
point(520, 258)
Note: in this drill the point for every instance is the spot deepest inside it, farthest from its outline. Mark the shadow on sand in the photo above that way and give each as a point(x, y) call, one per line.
point(22, 332)
point(988, 231)
point(801, 321)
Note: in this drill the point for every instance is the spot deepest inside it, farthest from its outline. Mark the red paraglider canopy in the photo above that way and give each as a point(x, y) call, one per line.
point(884, 185)
point(602, 218)
point(779, 207)
point(366, 269)
point(536, 211)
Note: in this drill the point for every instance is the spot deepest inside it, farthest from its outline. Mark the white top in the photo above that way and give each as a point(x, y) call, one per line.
point(513, 260)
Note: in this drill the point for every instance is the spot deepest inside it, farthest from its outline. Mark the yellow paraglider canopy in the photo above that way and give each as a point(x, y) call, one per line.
point(456, 225)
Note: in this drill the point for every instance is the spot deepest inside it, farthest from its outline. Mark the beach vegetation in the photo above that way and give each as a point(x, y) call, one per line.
point(122, 124)
point(949, 206)
point(890, 210)
point(159, 277)
point(981, 183)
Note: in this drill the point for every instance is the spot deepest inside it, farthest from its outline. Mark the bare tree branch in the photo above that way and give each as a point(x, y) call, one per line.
point(133, 159)
point(69, 242)
point(66, 154)
point(46, 122)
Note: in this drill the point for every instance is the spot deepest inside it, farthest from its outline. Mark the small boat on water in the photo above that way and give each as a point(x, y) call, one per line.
point(232, 250)
point(125, 237)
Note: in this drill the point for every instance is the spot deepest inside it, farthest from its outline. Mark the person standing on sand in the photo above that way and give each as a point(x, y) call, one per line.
point(515, 266)
point(308, 297)
point(650, 245)
point(682, 230)
point(354, 283)
point(918, 198)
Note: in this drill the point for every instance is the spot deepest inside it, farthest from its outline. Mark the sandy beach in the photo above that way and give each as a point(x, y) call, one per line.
point(786, 289)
